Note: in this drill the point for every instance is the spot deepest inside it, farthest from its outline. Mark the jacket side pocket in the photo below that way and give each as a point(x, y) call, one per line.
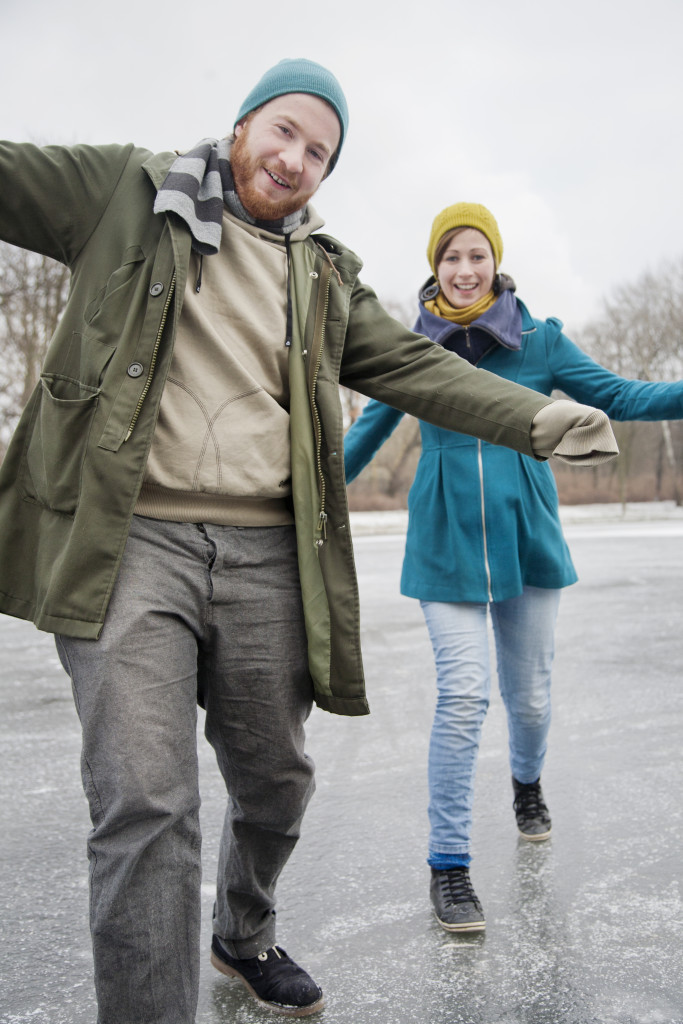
point(57, 442)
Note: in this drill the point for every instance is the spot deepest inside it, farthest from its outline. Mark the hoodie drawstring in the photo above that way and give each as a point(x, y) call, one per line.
point(288, 335)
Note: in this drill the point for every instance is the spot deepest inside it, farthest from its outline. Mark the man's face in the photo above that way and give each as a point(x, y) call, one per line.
point(281, 153)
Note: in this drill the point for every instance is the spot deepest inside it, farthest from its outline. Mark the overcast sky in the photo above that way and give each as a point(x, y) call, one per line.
point(563, 118)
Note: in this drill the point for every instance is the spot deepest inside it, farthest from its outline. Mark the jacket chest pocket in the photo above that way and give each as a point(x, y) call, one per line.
point(112, 300)
point(57, 441)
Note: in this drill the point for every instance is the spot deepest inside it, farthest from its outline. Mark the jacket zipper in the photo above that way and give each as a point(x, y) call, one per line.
point(152, 364)
point(487, 567)
point(318, 342)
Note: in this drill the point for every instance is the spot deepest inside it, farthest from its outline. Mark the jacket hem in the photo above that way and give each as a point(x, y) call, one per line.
point(446, 596)
point(349, 706)
point(19, 609)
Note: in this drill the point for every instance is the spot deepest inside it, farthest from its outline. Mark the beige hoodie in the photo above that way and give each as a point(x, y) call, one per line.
point(221, 450)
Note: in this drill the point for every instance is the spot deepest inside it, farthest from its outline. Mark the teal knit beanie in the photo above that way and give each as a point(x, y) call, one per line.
point(299, 75)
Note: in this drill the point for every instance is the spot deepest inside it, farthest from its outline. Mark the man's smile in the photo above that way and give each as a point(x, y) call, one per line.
point(277, 179)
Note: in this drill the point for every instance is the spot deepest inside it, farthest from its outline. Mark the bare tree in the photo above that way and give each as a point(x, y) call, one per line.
point(352, 402)
point(404, 312)
point(352, 405)
point(386, 481)
point(639, 334)
point(33, 291)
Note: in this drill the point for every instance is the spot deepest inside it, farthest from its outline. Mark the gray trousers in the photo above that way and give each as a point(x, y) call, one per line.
point(199, 613)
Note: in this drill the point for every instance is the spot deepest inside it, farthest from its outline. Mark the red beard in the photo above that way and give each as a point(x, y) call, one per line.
point(244, 170)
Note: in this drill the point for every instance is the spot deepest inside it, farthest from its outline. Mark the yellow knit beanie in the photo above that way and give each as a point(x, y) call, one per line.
point(465, 215)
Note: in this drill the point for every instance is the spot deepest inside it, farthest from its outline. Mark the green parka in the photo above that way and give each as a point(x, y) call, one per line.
point(71, 476)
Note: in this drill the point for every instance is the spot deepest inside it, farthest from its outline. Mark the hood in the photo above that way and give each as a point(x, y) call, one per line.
point(502, 324)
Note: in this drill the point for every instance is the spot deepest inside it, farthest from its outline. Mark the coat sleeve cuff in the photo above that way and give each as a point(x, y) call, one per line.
point(574, 433)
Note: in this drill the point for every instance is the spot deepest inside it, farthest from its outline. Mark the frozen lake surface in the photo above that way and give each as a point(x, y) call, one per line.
point(584, 929)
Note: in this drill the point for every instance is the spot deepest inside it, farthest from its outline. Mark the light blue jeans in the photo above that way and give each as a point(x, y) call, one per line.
point(208, 613)
point(524, 631)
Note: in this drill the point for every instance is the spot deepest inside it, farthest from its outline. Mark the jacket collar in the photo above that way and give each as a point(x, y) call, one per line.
point(158, 166)
point(506, 322)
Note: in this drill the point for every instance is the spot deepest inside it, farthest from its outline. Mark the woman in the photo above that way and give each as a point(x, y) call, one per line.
point(484, 536)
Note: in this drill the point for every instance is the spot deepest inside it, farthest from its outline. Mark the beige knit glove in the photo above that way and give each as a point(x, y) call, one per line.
point(573, 433)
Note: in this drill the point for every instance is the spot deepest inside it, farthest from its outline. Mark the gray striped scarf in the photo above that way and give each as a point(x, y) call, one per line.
point(197, 185)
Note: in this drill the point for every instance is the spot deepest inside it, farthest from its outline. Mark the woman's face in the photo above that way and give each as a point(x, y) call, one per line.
point(467, 268)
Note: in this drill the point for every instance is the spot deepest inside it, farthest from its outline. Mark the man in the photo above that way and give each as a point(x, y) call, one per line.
point(173, 508)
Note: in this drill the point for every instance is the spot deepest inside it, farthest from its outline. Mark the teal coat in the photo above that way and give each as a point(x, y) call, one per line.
point(73, 471)
point(483, 520)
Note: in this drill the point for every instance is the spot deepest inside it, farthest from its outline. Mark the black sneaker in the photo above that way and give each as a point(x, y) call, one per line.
point(533, 818)
point(455, 902)
point(272, 978)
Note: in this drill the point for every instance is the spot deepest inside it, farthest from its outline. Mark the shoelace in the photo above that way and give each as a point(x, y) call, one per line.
point(529, 803)
point(456, 885)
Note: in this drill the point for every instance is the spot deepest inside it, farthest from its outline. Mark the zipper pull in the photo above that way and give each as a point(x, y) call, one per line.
point(322, 527)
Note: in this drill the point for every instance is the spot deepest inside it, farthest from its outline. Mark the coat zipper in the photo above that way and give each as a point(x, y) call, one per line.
point(482, 500)
point(318, 342)
point(152, 364)
point(487, 567)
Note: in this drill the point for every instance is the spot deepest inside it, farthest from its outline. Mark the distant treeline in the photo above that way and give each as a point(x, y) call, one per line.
point(638, 333)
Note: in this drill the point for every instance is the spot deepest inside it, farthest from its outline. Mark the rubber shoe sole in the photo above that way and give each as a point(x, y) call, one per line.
point(469, 926)
point(285, 1011)
point(539, 837)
